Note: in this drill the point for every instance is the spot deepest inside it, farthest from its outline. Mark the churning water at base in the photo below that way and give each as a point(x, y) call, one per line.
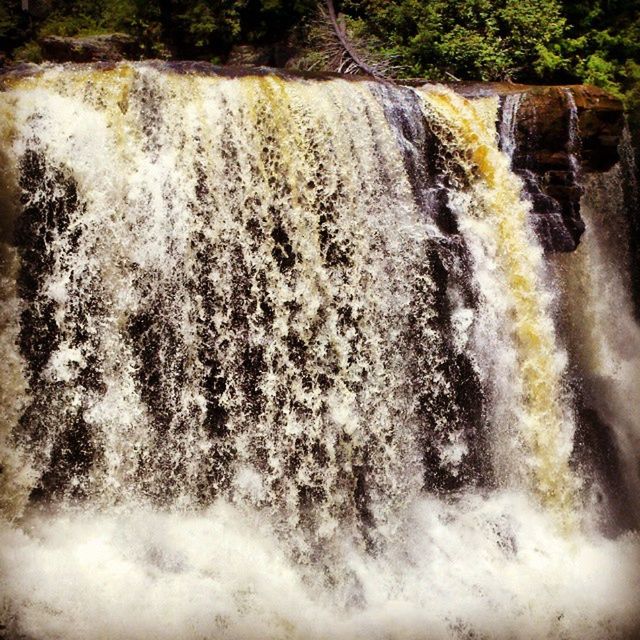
point(481, 567)
point(280, 361)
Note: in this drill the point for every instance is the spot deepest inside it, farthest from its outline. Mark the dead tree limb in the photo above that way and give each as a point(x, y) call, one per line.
point(346, 45)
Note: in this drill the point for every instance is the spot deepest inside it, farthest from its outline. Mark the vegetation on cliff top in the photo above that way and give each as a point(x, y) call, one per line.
point(593, 41)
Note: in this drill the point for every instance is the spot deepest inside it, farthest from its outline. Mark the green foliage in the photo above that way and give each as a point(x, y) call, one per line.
point(480, 39)
point(591, 41)
point(595, 41)
point(13, 27)
point(550, 61)
point(28, 52)
point(197, 29)
point(598, 70)
point(86, 17)
point(205, 27)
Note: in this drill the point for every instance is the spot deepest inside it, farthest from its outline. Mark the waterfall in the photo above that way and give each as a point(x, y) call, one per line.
point(509, 122)
point(494, 213)
point(601, 329)
point(284, 358)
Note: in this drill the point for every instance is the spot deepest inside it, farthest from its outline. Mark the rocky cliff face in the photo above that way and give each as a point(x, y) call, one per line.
point(559, 132)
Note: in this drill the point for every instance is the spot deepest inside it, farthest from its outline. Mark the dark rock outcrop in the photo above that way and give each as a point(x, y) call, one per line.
point(547, 156)
point(559, 133)
point(562, 132)
point(107, 47)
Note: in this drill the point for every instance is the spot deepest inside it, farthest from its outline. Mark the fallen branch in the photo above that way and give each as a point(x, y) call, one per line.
point(346, 45)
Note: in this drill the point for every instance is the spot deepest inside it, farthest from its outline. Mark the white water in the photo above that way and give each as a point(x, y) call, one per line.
point(249, 399)
point(493, 567)
point(600, 323)
point(509, 122)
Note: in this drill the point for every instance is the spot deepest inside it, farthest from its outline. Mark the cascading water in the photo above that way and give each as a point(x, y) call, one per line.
point(494, 214)
point(279, 360)
point(603, 334)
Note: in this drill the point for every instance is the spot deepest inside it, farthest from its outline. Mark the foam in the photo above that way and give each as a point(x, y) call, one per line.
point(489, 566)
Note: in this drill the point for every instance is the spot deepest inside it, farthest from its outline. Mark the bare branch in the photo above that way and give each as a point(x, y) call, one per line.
point(356, 59)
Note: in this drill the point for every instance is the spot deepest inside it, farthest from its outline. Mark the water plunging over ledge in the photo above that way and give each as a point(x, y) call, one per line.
point(284, 358)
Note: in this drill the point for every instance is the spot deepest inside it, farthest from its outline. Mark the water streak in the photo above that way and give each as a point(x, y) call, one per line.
point(495, 199)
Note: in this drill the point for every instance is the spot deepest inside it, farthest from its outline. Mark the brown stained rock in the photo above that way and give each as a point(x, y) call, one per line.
point(543, 118)
point(546, 156)
point(561, 132)
point(545, 115)
point(107, 47)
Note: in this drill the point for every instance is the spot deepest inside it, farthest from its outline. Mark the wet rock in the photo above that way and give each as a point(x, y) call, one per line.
point(600, 125)
point(110, 47)
point(560, 133)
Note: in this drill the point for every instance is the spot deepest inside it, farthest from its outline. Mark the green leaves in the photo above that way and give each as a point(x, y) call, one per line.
point(596, 41)
point(478, 39)
point(209, 24)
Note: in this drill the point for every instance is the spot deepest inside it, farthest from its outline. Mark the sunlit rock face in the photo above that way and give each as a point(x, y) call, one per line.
point(284, 357)
point(557, 135)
